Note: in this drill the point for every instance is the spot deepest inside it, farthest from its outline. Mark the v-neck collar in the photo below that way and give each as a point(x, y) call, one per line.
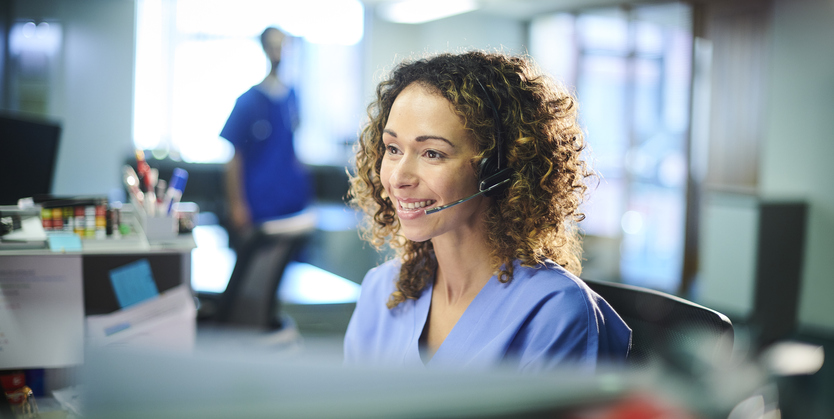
point(460, 334)
point(273, 100)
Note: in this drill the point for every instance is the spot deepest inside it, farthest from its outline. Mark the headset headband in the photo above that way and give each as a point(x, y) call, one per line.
point(498, 137)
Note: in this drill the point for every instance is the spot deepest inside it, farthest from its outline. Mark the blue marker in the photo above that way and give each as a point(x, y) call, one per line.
point(175, 188)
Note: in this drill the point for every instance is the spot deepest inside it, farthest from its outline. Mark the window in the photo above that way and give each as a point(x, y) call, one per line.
point(631, 68)
point(195, 57)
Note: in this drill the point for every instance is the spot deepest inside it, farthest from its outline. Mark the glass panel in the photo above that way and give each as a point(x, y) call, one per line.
point(602, 99)
point(602, 96)
point(604, 207)
point(330, 108)
point(604, 29)
point(647, 85)
point(633, 82)
point(551, 43)
point(677, 78)
point(648, 38)
point(208, 76)
point(652, 243)
point(195, 57)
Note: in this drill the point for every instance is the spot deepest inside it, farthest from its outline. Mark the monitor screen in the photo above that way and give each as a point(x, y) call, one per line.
point(28, 152)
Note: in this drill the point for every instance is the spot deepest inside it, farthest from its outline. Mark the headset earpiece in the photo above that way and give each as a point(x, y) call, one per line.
point(496, 183)
point(493, 173)
point(490, 175)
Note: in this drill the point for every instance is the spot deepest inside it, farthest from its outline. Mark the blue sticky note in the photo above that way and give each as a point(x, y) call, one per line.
point(64, 242)
point(133, 283)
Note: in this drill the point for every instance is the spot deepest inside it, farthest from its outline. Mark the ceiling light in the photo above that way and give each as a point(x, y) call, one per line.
point(421, 11)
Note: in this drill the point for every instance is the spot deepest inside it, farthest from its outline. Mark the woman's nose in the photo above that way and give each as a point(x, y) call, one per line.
point(404, 173)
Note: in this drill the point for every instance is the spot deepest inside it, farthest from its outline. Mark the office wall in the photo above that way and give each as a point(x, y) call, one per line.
point(95, 97)
point(90, 89)
point(798, 147)
point(389, 43)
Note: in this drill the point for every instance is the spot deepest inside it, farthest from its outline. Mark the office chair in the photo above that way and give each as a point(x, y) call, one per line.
point(250, 298)
point(666, 328)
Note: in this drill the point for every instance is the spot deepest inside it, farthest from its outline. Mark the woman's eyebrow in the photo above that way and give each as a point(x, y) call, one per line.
point(421, 138)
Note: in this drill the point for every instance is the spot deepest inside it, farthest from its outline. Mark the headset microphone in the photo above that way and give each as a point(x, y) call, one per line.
point(460, 201)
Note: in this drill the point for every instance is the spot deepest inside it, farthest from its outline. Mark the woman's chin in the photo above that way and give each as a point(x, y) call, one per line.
point(415, 236)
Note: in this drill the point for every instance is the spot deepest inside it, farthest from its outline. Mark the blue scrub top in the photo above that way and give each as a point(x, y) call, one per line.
point(543, 319)
point(261, 130)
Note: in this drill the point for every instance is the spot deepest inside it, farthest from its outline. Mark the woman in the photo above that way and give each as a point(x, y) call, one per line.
point(489, 280)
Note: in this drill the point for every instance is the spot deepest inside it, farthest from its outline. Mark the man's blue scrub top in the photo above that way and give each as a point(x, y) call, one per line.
point(261, 129)
point(544, 318)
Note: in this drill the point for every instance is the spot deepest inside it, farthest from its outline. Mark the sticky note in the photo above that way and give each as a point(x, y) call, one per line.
point(133, 283)
point(64, 242)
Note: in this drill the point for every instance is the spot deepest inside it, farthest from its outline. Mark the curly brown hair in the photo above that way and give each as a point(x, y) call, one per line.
point(535, 218)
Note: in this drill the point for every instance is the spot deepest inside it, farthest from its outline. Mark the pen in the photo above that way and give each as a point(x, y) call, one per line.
point(131, 181)
point(143, 169)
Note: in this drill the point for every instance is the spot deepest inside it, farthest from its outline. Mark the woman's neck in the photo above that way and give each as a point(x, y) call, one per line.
point(463, 267)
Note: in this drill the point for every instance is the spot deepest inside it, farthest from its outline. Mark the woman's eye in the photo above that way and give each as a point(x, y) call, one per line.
point(433, 154)
point(391, 149)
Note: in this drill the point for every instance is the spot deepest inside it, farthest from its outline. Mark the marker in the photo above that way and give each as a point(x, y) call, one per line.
point(175, 188)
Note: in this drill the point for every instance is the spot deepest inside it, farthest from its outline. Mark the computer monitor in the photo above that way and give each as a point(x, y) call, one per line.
point(28, 152)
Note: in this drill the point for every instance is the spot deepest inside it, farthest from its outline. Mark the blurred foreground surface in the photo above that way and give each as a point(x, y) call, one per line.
point(235, 373)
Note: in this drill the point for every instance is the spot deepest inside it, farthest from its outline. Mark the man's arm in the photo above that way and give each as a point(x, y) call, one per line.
point(236, 194)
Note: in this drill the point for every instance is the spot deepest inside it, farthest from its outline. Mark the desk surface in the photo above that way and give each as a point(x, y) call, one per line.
point(134, 242)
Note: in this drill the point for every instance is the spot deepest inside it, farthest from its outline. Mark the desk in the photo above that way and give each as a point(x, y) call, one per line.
point(46, 295)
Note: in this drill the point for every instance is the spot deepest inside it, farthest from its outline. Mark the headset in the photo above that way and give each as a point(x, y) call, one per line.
point(493, 174)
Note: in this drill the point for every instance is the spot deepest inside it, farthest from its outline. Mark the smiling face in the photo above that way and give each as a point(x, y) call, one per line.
point(427, 163)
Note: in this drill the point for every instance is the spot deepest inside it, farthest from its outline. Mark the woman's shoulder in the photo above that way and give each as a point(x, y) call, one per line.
point(564, 314)
point(547, 277)
point(382, 279)
point(386, 268)
point(550, 287)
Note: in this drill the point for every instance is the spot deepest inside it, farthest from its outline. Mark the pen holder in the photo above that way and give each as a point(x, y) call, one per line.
point(159, 228)
point(156, 228)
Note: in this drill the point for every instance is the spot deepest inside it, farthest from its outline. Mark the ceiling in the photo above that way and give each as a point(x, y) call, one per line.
point(527, 9)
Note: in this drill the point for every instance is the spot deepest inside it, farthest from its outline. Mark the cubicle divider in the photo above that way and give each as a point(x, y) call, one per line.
point(169, 270)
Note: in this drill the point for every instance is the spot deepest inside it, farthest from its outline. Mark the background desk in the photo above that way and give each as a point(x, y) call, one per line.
point(46, 295)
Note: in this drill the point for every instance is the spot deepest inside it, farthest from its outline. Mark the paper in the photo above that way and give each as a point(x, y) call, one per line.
point(41, 311)
point(167, 322)
point(64, 242)
point(133, 283)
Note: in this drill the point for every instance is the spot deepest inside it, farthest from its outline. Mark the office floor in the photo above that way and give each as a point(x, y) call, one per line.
point(318, 290)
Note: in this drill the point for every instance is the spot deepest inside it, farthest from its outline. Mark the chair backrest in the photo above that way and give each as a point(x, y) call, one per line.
point(250, 299)
point(666, 328)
